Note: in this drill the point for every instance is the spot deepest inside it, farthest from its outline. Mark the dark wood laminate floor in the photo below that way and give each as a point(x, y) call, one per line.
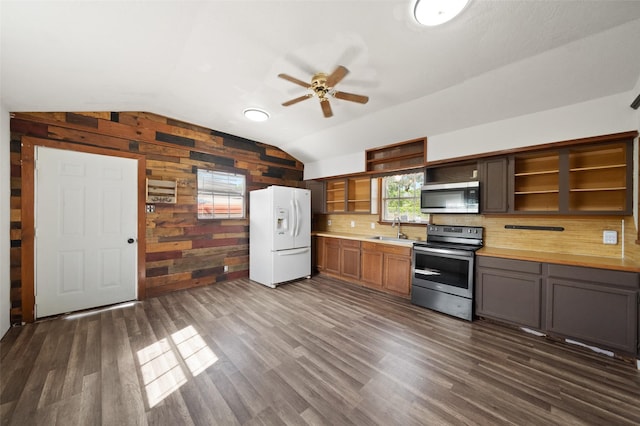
point(312, 352)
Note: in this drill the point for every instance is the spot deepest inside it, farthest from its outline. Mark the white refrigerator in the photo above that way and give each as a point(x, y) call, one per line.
point(279, 235)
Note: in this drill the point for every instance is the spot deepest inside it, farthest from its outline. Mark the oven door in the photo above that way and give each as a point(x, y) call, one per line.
point(446, 270)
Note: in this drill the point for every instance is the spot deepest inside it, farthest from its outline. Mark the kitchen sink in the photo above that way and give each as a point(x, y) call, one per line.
point(383, 238)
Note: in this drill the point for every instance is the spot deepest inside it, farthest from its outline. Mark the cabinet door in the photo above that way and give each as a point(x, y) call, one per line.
point(332, 255)
point(397, 274)
point(593, 313)
point(350, 262)
point(510, 296)
point(371, 272)
point(319, 252)
point(317, 196)
point(494, 185)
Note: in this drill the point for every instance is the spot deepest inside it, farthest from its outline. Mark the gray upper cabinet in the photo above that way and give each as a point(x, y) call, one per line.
point(494, 180)
point(317, 195)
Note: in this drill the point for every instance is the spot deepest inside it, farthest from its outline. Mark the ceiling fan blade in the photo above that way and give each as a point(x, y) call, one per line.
point(336, 76)
point(326, 108)
point(296, 100)
point(351, 97)
point(294, 80)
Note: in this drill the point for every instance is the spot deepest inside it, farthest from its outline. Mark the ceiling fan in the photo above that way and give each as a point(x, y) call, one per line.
point(322, 86)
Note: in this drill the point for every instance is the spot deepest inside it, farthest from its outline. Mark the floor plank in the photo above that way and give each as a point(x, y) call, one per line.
point(316, 351)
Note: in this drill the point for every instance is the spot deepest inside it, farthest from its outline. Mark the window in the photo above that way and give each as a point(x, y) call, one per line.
point(220, 195)
point(401, 198)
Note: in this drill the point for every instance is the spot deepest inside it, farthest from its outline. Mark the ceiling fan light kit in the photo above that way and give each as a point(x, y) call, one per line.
point(256, 114)
point(437, 12)
point(322, 87)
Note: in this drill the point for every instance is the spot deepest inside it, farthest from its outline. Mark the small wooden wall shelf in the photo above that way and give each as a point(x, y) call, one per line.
point(162, 191)
point(400, 156)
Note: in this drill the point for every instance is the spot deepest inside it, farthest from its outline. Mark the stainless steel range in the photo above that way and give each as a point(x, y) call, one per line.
point(443, 269)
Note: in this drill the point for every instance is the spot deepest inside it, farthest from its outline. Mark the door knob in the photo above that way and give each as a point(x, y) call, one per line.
point(131, 240)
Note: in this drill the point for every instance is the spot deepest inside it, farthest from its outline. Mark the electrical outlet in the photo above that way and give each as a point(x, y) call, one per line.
point(373, 225)
point(151, 208)
point(353, 223)
point(329, 222)
point(610, 237)
point(226, 268)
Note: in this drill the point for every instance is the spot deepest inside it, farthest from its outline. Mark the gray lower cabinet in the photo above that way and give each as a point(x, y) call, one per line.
point(593, 306)
point(509, 290)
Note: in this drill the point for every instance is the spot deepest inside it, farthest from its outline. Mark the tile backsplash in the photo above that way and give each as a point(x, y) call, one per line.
point(579, 235)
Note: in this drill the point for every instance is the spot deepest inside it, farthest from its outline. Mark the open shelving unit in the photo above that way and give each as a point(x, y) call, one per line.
point(335, 193)
point(359, 195)
point(400, 156)
point(581, 179)
point(537, 182)
point(598, 178)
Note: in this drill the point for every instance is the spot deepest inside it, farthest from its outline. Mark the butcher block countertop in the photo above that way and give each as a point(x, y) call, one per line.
point(368, 238)
point(535, 256)
point(562, 259)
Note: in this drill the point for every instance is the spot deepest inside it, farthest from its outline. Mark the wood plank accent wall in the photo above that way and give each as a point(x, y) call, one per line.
point(181, 251)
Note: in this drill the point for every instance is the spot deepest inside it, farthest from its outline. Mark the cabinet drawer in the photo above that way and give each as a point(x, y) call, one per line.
point(509, 264)
point(400, 251)
point(595, 275)
point(350, 243)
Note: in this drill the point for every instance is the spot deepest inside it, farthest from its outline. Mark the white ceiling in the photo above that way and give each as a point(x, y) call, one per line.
point(204, 62)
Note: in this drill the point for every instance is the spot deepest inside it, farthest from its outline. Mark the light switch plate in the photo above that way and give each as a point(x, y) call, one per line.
point(609, 237)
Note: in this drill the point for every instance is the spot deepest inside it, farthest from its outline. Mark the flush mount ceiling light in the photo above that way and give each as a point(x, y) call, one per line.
point(436, 12)
point(255, 114)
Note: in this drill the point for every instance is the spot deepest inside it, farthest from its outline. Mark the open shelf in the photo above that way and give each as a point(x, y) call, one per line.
point(537, 182)
point(404, 155)
point(352, 195)
point(598, 178)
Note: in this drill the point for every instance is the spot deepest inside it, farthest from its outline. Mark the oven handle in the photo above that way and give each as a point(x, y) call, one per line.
point(427, 272)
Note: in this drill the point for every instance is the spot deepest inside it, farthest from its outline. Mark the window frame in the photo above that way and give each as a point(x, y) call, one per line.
point(424, 219)
point(217, 193)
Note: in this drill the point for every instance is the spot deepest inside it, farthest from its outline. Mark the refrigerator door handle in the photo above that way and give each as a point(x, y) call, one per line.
point(298, 218)
point(292, 252)
point(295, 218)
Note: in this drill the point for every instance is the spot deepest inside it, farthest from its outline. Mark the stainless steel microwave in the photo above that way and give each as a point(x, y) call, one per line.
point(455, 197)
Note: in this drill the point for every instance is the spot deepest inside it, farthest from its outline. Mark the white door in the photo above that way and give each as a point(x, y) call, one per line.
point(86, 230)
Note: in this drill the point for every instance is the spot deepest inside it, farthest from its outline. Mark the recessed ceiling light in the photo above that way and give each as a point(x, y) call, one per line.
point(436, 12)
point(255, 114)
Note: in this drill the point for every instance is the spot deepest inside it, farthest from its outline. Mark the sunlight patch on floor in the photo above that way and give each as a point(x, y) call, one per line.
point(160, 366)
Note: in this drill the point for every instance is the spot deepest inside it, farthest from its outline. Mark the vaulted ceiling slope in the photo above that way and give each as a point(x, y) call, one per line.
point(204, 62)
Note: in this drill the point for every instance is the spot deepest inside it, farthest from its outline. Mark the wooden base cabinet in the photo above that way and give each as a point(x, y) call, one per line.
point(350, 259)
point(384, 267)
point(509, 290)
point(339, 257)
point(372, 265)
point(397, 271)
point(593, 306)
point(597, 307)
point(332, 255)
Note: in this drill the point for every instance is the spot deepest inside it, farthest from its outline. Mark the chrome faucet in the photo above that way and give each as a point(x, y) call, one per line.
point(400, 234)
